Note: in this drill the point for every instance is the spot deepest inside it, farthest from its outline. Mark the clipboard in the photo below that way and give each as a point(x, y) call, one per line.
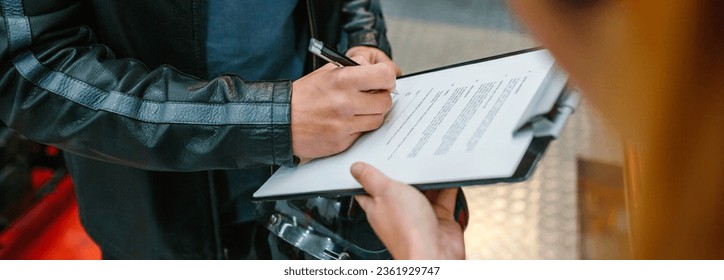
point(546, 116)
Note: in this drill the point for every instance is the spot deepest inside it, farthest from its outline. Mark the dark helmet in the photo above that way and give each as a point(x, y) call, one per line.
point(327, 228)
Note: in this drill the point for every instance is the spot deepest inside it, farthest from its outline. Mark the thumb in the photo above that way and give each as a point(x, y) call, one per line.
point(372, 180)
point(365, 201)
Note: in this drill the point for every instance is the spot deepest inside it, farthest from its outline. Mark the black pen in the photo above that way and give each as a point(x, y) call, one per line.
point(329, 54)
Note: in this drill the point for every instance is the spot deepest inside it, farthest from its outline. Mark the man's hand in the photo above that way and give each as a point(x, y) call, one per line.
point(410, 225)
point(333, 106)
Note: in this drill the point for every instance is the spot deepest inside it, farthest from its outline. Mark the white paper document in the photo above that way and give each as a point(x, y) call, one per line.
point(448, 125)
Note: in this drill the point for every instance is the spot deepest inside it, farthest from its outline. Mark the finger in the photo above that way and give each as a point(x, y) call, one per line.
point(372, 180)
point(368, 77)
point(362, 59)
point(371, 103)
point(398, 71)
point(368, 53)
point(386, 60)
point(365, 201)
point(363, 123)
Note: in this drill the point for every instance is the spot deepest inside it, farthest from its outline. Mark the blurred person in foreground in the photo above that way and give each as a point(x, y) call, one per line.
point(655, 71)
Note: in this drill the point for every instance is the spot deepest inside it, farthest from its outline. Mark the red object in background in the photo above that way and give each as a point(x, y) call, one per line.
point(50, 229)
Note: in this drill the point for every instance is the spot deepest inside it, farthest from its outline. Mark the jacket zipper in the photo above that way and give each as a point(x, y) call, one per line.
point(312, 29)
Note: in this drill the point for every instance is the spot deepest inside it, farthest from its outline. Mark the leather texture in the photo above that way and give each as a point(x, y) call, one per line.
point(119, 85)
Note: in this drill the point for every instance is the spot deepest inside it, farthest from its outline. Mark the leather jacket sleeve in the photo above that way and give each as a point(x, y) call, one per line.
point(59, 86)
point(364, 25)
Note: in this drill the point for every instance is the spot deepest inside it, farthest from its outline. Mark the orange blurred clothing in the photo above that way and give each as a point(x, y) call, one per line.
point(674, 161)
point(655, 69)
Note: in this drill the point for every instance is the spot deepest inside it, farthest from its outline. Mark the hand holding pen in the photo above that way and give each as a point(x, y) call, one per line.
point(372, 55)
point(332, 106)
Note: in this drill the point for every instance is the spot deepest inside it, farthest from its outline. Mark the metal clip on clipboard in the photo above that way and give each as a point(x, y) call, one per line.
point(546, 126)
point(552, 124)
point(551, 107)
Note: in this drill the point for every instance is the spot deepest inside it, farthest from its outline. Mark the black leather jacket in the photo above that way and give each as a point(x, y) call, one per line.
point(120, 86)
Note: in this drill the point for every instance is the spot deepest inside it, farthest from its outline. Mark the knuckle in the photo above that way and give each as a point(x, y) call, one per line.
point(387, 70)
point(341, 76)
point(390, 71)
point(336, 128)
point(338, 101)
point(340, 107)
point(388, 75)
